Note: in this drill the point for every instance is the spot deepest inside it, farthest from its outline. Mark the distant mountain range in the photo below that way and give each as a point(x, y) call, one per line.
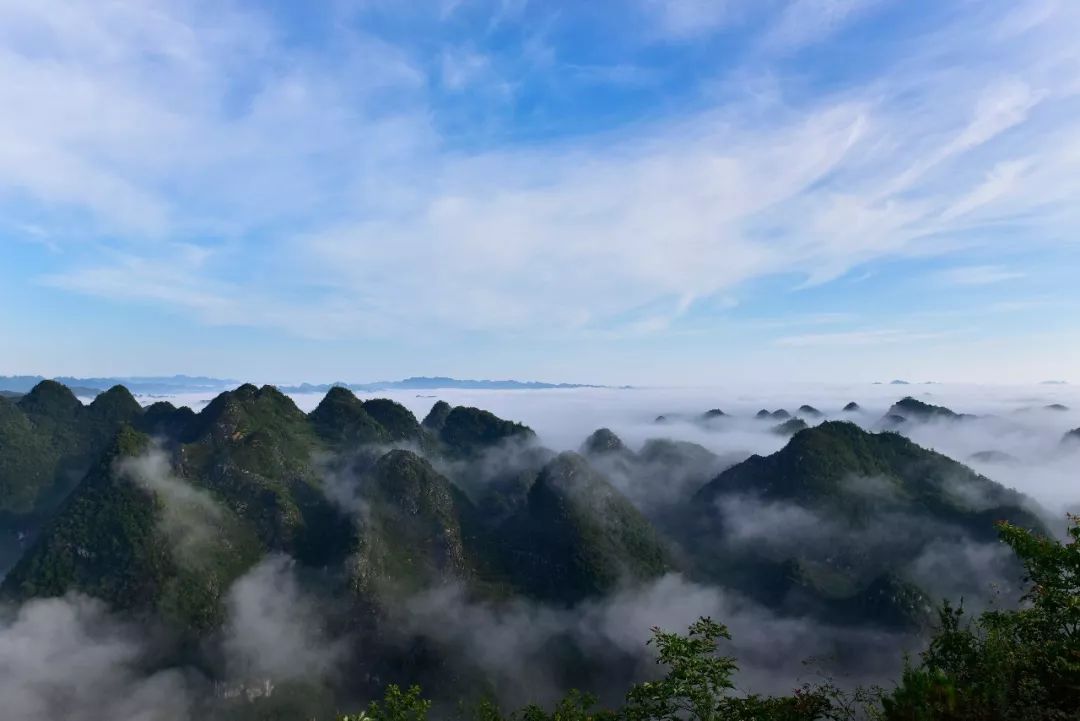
point(424, 383)
point(167, 385)
point(152, 385)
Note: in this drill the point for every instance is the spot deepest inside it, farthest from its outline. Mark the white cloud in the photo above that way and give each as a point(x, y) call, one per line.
point(979, 275)
point(858, 337)
point(681, 19)
point(805, 22)
point(461, 68)
point(353, 216)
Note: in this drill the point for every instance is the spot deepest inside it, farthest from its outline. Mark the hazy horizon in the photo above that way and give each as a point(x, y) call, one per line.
point(1011, 419)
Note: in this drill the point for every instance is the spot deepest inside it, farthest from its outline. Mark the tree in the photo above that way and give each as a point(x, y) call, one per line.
point(1011, 665)
point(1004, 665)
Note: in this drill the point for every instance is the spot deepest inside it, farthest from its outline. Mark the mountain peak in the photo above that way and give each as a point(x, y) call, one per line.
point(341, 419)
point(909, 407)
point(467, 430)
point(581, 537)
point(49, 398)
point(436, 417)
point(790, 427)
point(116, 404)
point(601, 441)
point(397, 420)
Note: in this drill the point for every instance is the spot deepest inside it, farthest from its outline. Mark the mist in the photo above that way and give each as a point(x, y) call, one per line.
point(72, 658)
point(69, 658)
point(521, 647)
point(1011, 419)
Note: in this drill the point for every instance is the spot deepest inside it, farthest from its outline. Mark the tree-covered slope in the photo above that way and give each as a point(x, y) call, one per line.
point(466, 431)
point(579, 537)
point(833, 522)
point(48, 441)
point(341, 421)
point(821, 467)
point(410, 527)
point(138, 539)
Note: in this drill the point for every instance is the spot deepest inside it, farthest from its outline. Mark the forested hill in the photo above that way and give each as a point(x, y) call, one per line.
point(387, 524)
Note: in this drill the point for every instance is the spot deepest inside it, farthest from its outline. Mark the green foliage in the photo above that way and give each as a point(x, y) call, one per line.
point(396, 705)
point(342, 422)
point(111, 541)
point(697, 681)
point(569, 535)
point(816, 467)
point(821, 469)
point(436, 418)
point(411, 536)
point(1020, 664)
point(48, 441)
point(466, 431)
point(575, 706)
point(601, 441)
point(790, 427)
point(1005, 665)
point(396, 420)
point(697, 686)
point(579, 537)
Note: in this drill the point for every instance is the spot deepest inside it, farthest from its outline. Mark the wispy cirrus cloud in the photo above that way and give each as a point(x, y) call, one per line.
point(331, 200)
point(979, 275)
point(865, 337)
point(804, 22)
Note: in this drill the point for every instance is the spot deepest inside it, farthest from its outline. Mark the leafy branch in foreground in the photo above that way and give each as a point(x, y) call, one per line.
point(1005, 665)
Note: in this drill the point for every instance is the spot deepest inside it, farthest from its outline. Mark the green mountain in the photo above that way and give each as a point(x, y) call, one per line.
point(658, 478)
point(120, 540)
point(399, 424)
point(579, 537)
point(158, 510)
point(602, 441)
point(912, 409)
point(817, 465)
point(468, 431)
point(263, 471)
point(342, 421)
point(164, 420)
point(850, 508)
point(239, 472)
point(411, 533)
point(436, 417)
point(48, 442)
point(790, 427)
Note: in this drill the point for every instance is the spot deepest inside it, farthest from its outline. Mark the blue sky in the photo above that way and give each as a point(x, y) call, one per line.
point(644, 191)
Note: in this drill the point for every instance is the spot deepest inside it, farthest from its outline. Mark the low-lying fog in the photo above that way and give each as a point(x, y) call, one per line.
point(1023, 424)
point(88, 664)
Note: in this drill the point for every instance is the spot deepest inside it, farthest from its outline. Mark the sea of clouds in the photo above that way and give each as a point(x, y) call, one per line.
point(1010, 419)
point(72, 658)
